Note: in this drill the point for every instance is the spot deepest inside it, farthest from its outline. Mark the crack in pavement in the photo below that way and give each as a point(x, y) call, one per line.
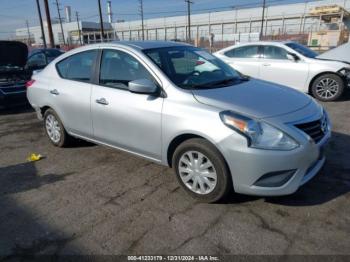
point(202, 234)
point(266, 226)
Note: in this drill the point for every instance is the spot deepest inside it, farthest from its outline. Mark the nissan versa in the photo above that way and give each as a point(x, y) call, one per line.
point(179, 106)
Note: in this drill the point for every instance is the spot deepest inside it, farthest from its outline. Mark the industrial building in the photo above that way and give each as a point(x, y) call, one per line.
point(303, 22)
point(75, 31)
point(298, 20)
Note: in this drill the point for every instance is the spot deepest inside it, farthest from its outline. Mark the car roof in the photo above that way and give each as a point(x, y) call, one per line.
point(148, 44)
point(274, 43)
point(277, 43)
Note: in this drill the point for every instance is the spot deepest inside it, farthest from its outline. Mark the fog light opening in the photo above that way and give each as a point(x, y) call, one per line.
point(275, 179)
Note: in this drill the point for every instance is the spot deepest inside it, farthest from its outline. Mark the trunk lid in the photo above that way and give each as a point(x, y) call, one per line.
point(13, 54)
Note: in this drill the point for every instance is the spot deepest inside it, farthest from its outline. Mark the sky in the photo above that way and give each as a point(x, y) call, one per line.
point(13, 14)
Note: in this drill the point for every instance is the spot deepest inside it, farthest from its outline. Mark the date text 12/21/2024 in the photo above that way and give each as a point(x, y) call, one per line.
point(173, 258)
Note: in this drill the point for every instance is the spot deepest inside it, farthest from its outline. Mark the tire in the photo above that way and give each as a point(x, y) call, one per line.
point(63, 139)
point(330, 85)
point(198, 186)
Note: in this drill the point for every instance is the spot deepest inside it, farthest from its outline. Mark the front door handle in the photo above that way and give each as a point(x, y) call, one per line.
point(54, 92)
point(266, 64)
point(102, 101)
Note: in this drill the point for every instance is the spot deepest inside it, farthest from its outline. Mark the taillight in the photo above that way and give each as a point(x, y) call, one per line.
point(30, 83)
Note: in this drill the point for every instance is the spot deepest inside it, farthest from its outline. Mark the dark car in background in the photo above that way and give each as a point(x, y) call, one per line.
point(13, 74)
point(16, 68)
point(41, 57)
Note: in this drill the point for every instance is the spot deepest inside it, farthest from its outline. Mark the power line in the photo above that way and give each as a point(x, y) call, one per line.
point(194, 11)
point(226, 7)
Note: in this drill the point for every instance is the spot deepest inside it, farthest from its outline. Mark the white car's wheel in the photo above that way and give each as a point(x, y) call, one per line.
point(328, 87)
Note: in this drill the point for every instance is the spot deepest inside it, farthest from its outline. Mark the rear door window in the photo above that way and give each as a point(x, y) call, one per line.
point(251, 51)
point(78, 67)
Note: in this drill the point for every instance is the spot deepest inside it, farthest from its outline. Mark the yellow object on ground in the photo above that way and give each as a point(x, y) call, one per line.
point(34, 157)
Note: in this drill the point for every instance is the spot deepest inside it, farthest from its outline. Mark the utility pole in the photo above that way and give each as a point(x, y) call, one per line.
point(101, 20)
point(41, 23)
point(142, 24)
point(59, 18)
point(189, 2)
point(49, 26)
point(262, 19)
point(79, 35)
point(29, 42)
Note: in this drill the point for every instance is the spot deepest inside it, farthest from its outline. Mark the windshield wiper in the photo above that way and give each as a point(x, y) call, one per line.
point(216, 83)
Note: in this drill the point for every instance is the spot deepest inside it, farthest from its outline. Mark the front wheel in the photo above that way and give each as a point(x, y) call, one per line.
point(328, 87)
point(202, 170)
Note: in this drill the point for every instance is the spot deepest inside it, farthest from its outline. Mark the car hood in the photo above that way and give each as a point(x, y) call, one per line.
point(13, 53)
point(254, 98)
point(340, 53)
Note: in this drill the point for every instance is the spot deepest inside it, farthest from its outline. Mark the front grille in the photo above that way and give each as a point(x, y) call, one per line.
point(313, 129)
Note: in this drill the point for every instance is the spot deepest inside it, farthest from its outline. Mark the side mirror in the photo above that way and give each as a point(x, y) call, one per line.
point(143, 86)
point(293, 57)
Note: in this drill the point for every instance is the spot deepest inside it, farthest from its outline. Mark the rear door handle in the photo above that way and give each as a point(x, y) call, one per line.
point(266, 64)
point(54, 92)
point(102, 101)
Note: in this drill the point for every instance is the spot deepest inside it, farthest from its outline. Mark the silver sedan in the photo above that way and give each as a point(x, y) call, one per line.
point(180, 106)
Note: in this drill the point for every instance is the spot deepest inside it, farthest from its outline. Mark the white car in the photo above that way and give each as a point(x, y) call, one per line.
point(290, 64)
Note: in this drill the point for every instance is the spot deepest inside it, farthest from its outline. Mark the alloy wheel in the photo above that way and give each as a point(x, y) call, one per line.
point(327, 88)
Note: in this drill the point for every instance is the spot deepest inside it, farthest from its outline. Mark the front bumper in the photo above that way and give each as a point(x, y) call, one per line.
point(272, 172)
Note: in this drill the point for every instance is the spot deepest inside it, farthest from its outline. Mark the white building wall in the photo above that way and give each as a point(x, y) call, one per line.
point(235, 21)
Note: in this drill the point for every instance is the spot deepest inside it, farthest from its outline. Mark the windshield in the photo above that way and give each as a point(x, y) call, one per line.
point(190, 67)
point(305, 51)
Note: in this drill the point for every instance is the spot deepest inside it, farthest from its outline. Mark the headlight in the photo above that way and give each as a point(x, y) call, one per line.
point(259, 134)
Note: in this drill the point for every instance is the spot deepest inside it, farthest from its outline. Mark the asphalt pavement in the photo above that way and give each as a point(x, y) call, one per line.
point(90, 199)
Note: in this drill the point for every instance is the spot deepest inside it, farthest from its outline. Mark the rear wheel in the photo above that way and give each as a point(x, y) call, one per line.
point(201, 170)
point(328, 87)
point(54, 129)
